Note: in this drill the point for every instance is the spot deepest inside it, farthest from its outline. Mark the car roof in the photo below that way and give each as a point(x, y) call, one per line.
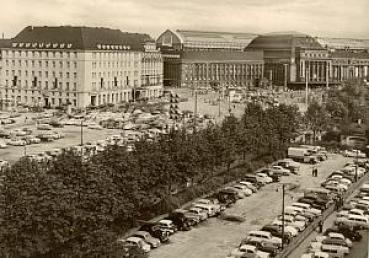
point(335, 235)
point(166, 221)
point(134, 239)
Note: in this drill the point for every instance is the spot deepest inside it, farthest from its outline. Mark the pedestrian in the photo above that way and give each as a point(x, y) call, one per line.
point(316, 171)
point(312, 171)
point(321, 226)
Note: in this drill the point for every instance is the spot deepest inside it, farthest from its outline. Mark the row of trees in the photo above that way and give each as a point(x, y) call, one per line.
point(73, 208)
point(342, 107)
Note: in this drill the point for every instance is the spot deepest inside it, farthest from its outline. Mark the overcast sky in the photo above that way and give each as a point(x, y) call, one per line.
point(334, 18)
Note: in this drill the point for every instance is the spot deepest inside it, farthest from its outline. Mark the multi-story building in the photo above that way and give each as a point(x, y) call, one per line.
point(198, 58)
point(79, 66)
point(350, 58)
point(292, 58)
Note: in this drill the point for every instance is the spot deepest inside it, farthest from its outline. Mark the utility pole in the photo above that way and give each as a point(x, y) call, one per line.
point(285, 76)
point(283, 216)
point(357, 164)
point(219, 101)
point(195, 111)
point(307, 74)
point(81, 132)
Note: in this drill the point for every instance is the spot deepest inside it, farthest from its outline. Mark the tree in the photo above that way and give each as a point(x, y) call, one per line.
point(317, 118)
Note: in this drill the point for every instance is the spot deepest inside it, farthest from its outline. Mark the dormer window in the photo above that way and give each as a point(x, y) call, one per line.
point(55, 45)
point(69, 45)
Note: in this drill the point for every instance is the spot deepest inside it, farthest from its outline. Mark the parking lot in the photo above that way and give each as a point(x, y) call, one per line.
point(216, 238)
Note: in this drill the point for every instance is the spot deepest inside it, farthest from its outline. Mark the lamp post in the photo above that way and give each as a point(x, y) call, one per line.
point(81, 132)
point(356, 167)
point(283, 194)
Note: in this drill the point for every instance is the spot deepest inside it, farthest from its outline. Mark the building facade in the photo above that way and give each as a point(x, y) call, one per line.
point(292, 58)
point(77, 66)
point(198, 59)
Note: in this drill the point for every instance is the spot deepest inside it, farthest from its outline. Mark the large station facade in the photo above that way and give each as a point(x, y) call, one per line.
point(198, 58)
point(294, 58)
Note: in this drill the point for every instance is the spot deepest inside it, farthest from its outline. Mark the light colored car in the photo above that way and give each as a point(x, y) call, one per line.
point(307, 207)
point(243, 188)
point(354, 154)
point(250, 249)
point(316, 254)
point(94, 126)
point(152, 241)
point(249, 185)
point(3, 145)
point(334, 236)
point(216, 206)
point(266, 178)
point(337, 185)
point(290, 221)
point(203, 215)
point(18, 132)
point(353, 220)
point(210, 209)
point(16, 142)
point(279, 170)
point(138, 242)
point(264, 236)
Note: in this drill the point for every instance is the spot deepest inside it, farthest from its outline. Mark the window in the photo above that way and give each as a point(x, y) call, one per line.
point(46, 74)
point(54, 65)
point(39, 64)
point(61, 64)
point(60, 75)
point(75, 64)
point(68, 64)
point(75, 75)
point(67, 75)
point(46, 85)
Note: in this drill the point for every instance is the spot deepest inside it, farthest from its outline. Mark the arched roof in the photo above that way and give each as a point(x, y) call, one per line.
point(207, 39)
point(344, 43)
point(284, 40)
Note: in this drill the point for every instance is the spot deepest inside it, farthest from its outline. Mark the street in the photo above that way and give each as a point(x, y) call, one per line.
point(216, 238)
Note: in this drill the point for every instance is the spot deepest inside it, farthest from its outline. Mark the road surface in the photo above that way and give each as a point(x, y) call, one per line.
point(215, 238)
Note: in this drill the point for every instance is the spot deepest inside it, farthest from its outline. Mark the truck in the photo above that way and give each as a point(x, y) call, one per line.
point(301, 155)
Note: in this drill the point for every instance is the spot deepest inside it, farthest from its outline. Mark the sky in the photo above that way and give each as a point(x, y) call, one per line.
point(331, 18)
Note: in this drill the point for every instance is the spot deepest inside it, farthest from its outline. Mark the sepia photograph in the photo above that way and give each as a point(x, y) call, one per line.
point(184, 129)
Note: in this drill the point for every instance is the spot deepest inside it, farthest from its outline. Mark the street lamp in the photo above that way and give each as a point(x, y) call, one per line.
point(283, 194)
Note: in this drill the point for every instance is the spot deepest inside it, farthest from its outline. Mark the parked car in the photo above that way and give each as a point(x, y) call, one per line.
point(348, 232)
point(249, 185)
point(246, 191)
point(152, 241)
point(276, 231)
point(16, 142)
point(44, 127)
point(290, 221)
point(182, 221)
point(264, 236)
point(168, 225)
point(3, 145)
point(247, 250)
point(278, 170)
point(138, 242)
point(155, 229)
point(354, 154)
point(203, 215)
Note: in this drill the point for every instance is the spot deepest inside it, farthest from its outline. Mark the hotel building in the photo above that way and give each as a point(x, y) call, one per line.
point(79, 66)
